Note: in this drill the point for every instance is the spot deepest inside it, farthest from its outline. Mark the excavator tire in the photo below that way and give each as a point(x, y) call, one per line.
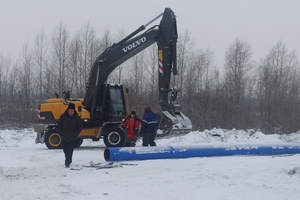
point(53, 139)
point(114, 137)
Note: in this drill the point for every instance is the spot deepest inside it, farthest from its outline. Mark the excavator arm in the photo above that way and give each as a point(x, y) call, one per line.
point(165, 35)
point(112, 58)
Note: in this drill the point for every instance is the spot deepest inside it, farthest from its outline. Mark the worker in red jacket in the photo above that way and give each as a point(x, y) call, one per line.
point(132, 124)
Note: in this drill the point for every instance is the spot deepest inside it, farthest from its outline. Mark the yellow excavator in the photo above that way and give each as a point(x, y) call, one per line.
point(105, 105)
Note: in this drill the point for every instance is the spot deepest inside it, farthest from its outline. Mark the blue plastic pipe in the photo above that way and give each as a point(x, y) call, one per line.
point(165, 152)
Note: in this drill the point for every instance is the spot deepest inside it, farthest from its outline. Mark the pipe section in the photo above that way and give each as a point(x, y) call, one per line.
point(165, 152)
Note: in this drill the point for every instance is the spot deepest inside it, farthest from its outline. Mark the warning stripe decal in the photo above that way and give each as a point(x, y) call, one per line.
point(160, 63)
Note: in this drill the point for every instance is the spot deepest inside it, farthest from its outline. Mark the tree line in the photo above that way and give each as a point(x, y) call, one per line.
point(242, 94)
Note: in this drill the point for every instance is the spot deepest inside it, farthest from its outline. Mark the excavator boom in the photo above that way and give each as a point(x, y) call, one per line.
point(165, 35)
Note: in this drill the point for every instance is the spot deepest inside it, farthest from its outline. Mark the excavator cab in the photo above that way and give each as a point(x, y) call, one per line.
point(110, 105)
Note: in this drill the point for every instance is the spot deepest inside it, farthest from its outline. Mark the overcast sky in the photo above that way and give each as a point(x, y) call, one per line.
point(213, 24)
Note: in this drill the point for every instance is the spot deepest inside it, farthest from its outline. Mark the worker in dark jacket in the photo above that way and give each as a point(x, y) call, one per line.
point(149, 127)
point(69, 126)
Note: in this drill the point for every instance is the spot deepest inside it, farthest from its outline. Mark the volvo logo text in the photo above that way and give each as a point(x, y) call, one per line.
point(134, 44)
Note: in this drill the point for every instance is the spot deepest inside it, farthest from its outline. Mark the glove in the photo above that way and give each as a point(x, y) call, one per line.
point(136, 131)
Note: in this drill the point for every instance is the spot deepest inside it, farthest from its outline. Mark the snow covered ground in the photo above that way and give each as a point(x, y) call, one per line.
point(30, 171)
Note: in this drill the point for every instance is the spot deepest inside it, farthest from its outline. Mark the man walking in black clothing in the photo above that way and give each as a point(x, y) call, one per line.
point(69, 125)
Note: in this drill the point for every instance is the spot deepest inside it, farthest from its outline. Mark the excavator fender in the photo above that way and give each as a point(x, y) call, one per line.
point(113, 135)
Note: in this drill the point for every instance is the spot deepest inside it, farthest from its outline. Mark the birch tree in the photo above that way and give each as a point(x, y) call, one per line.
point(185, 49)
point(39, 62)
point(278, 90)
point(59, 62)
point(25, 89)
point(238, 63)
point(199, 87)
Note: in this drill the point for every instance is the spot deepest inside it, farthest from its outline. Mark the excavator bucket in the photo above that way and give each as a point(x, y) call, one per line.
point(174, 124)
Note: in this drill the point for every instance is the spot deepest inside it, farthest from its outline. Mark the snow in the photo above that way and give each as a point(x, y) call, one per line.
point(30, 171)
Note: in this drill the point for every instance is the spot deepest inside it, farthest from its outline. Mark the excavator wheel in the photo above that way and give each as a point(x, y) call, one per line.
point(114, 137)
point(53, 139)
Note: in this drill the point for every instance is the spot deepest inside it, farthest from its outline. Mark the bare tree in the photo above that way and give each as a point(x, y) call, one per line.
point(83, 50)
point(119, 71)
point(90, 46)
point(76, 69)
point(2, 66)
point(5, 66)
point(238, 62)
point(106, 40)
point(185, 49)
point(12, 94)
point(133, 81)
point(40, 60)
point(278, 90)
point(149, 82)
point(25, 90)
point(199, 87)
point(59, 62)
